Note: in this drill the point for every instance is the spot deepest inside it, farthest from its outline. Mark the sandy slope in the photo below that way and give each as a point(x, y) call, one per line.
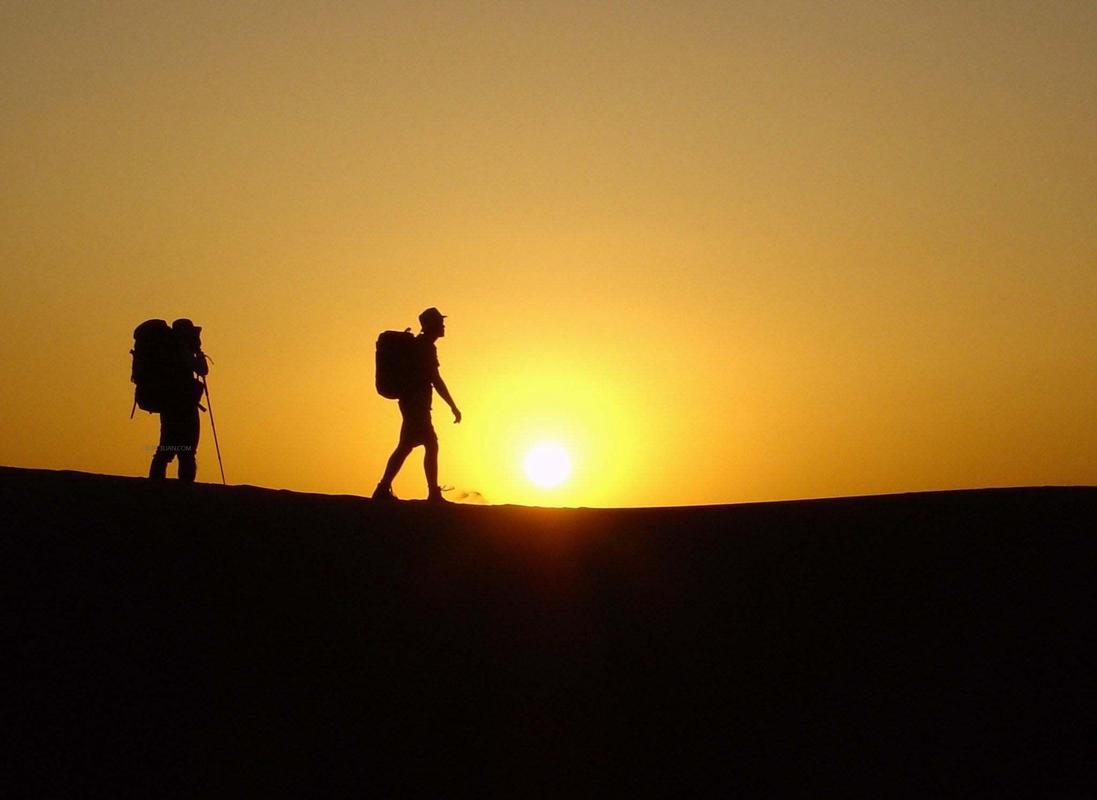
point(193, 641)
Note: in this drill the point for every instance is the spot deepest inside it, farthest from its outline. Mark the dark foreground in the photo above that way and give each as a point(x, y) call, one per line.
point(198, 641)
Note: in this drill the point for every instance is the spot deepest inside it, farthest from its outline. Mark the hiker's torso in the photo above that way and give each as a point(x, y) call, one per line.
point(424, 364)
point(183, 388)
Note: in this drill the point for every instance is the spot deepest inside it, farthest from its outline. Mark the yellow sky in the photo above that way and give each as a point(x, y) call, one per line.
point(719, 251)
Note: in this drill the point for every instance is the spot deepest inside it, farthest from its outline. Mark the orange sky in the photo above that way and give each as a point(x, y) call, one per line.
point(719, 251)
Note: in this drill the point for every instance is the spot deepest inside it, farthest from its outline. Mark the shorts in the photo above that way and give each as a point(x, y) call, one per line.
point(416, 428)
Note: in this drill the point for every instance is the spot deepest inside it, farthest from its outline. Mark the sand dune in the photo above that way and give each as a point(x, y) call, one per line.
point(171, 640)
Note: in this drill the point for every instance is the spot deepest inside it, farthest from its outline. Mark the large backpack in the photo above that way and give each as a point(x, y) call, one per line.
point(155, 364)
point(396, 364)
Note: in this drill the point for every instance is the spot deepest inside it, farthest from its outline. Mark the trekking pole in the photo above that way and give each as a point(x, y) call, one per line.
point(213, 426)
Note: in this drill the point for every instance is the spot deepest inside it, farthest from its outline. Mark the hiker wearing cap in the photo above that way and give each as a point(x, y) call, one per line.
point(179, 425)
point(415, 405)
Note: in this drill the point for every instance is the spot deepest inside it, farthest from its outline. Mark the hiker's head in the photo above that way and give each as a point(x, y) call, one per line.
point(188, 332)
point(433, 322)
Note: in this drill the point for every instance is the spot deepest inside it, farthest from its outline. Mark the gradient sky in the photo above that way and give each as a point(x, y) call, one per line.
point(720, 251)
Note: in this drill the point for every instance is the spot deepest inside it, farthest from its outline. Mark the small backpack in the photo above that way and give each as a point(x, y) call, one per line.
point(396, 365)
point(155, 365)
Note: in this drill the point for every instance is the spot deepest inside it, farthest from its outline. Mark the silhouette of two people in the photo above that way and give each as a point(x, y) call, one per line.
point(416, 426)
point(165, 373)
point(182, 393)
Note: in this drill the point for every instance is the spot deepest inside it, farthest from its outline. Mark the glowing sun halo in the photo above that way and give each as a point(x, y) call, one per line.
point(547, 465)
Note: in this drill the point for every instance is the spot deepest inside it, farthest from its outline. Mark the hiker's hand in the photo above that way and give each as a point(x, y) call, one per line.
point(456, 415)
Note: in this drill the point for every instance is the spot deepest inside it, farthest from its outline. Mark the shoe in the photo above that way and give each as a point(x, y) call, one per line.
point(383, 493)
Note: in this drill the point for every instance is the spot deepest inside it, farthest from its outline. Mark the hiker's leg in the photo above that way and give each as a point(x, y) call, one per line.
point(430, 468)
point(396, 460)
point(188, 466)
point(408, 441)
point(158, 469)
point(189, 428)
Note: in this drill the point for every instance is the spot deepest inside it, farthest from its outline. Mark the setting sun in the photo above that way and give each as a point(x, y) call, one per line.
point(547, 465)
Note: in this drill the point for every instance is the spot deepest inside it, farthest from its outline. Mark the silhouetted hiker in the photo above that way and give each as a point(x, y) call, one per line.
point(165, 362)
point(407, 370)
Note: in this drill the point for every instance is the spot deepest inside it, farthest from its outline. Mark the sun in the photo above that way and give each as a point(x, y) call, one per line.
point(547, 465)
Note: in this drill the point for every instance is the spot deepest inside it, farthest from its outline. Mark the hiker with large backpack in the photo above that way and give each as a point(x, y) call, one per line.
point(165, 363)
point(407, 371)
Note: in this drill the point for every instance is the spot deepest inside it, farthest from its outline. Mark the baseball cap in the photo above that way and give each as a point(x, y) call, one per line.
point(184, 324)
point(432, 314)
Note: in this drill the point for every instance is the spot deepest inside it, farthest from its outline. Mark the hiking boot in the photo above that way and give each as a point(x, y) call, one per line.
point(383, 493)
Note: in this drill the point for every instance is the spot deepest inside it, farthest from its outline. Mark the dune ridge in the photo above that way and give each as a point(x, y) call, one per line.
point(197, 640)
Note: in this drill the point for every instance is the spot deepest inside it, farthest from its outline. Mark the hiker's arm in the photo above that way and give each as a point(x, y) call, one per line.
point(193, 356)
point(443, 392)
